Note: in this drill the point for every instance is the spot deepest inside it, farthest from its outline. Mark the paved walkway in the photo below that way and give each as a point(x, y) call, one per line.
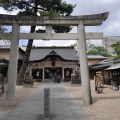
point(62, 106)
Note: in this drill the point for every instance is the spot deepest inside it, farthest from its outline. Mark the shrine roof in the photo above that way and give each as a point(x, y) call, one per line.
point(7, 47)
point(66, 53)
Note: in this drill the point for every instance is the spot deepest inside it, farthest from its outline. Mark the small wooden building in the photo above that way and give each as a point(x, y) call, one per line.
point(110, 69)
point(4, 58)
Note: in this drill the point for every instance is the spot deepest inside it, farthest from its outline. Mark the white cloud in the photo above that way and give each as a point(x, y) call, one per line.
point(53, 42)
point(108, 1)
point(2, 11)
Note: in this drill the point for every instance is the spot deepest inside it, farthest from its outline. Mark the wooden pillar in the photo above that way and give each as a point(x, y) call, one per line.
point(63, 69)
point(43, 71)
point(103, 76)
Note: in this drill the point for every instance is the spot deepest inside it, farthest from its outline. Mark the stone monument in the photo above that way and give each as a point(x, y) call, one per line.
point(28, 79)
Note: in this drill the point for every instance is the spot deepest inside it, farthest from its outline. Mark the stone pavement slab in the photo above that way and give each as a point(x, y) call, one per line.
point(62, 106)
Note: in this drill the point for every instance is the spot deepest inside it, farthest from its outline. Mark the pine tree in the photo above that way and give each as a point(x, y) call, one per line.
point(32, 8)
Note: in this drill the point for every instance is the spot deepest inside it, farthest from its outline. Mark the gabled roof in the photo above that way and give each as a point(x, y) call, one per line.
point(115, 65)
point(102, 64)
point(66, 53)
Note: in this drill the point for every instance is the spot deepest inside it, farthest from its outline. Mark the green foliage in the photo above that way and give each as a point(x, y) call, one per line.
point(50, 13)
point(49, 8)
point(93, 50)
point(97, 50)
point(26, 13)
point(116, 48)
point(74, 45)
point(9, 5)
point(64, 10)
point(32, 8)
point(61, 29)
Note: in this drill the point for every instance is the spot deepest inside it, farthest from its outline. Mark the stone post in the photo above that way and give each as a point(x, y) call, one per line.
point(46, 102)
point(12, 71)
point(84, 65)
point(63, 73)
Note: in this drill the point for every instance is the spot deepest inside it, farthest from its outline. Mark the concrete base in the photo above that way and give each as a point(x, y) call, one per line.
point(9, 103)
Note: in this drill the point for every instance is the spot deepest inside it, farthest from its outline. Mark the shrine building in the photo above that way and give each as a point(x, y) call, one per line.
point(46, 61)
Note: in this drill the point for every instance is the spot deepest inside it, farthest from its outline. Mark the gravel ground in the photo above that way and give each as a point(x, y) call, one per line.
point(106, 105)
point(21, 94)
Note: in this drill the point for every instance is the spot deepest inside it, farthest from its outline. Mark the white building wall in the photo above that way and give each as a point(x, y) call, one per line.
point(108, 41)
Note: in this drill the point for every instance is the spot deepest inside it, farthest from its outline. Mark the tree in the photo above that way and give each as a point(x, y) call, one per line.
point(97, 50)
point(74, 44)
point(32, 8)
point(116, 48)
point(88, 46)
point(2, 30)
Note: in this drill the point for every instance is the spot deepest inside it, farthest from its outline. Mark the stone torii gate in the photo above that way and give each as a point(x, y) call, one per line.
point(79, 21)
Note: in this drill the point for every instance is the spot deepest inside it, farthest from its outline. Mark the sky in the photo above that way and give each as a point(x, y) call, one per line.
point(110, 27)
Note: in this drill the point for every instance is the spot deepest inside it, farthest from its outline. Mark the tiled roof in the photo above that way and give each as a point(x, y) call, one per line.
point(102, 64)
point(4, 46)
point(67, 53)
point(96, 57)
point(8, 47)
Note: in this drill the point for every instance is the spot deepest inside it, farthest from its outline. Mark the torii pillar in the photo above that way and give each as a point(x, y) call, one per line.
point(84, 65)
point(12, 70)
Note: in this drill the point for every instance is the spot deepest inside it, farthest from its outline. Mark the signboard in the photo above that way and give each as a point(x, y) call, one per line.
point(98, 79)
